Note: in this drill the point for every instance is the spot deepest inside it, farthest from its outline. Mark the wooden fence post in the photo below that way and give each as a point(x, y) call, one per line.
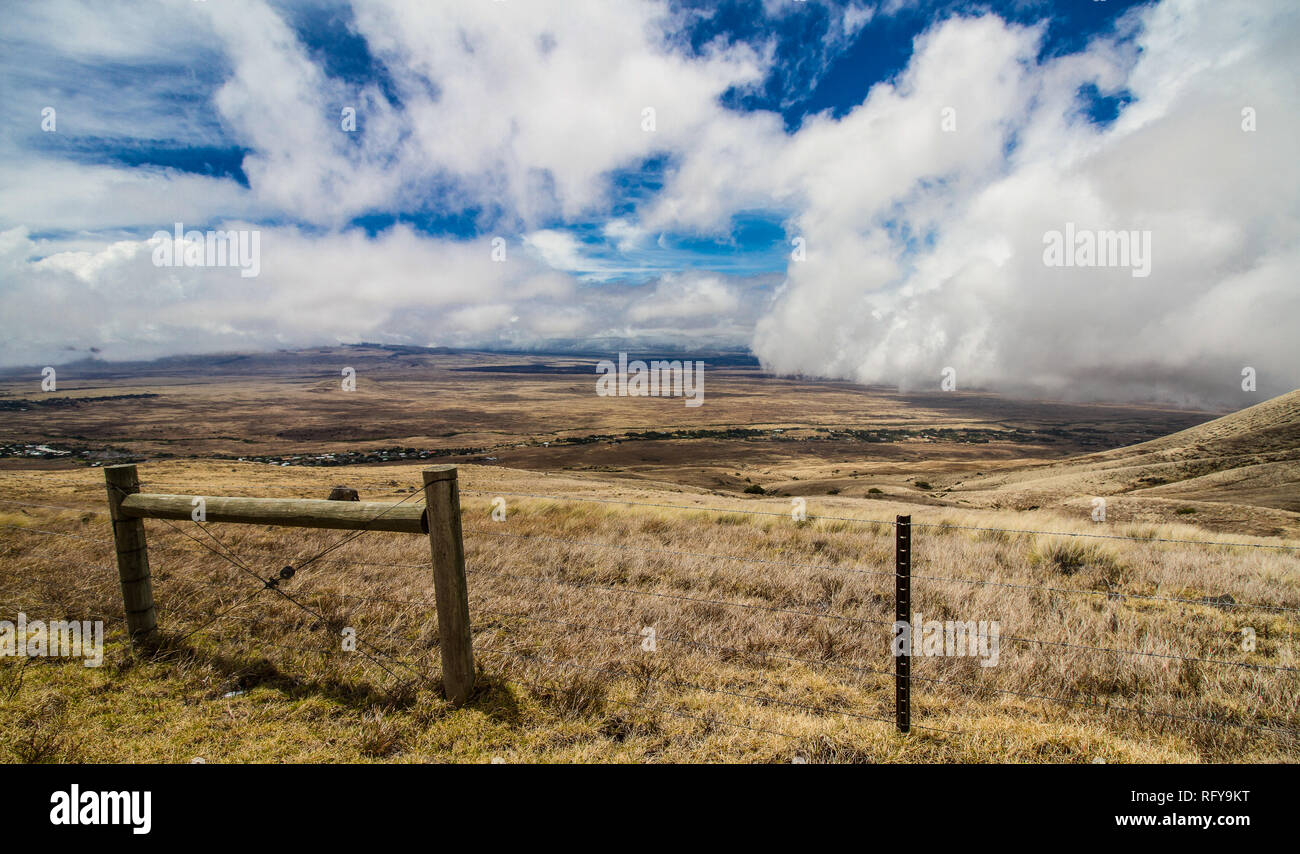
point(902, 614)
point(132, 555)
point(442, 506)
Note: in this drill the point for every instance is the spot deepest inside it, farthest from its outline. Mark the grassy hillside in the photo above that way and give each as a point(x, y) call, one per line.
point(1240, 472)
point(561, 592)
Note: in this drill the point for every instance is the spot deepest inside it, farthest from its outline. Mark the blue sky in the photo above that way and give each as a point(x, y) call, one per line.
point(854, 189)
point(817, 67)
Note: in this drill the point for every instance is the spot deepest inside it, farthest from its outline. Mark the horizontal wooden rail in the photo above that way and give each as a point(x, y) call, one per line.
point(291, 512)
point(441, 524)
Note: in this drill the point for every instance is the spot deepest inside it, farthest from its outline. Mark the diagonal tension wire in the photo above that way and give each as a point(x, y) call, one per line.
point(275, 588)
point(350, 537)
point(234, 559)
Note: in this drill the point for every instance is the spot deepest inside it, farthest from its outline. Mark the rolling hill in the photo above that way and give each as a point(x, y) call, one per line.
point(1241, 471)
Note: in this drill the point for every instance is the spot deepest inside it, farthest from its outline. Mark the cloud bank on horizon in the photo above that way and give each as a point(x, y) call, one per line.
point(860, 190)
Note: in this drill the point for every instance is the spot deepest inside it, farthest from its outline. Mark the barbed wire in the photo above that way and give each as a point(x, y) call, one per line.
point(52, 506)
point(721, 602)
point(64, 606)
point(326, 651)
point(915, 524)
point(100, 540)
point(814, 615)
point(1015, 638)
point(807, 517)
point(684, 641)
point(347, 539)
point(884, 573)
point(275, 588)
point(351, 563)
point(1109, 594)
point(203, 550)
point(536, 687)
point(1107, 706)
point(228, 556)
point(1136, 652)
point(1227, 543)
point(874, 672)
point(719, 691)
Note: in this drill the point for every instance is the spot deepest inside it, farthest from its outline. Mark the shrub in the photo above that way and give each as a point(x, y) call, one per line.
point(755, 489)
point(1068, 558)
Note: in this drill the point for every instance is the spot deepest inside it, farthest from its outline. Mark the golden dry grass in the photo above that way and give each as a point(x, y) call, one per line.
point(1238, 473)
point(560, 593)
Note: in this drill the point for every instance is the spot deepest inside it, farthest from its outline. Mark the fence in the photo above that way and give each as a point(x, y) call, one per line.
point(440, 520)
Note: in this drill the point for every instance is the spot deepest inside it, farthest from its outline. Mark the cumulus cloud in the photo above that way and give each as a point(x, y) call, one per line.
point(925, 248)
point(922, 245)
point(311, 289)
point(533, 104)
point(516, 112)
point(519, 110)
point(701, 298)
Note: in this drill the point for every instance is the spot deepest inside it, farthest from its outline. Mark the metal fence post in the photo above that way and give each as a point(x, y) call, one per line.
point(902, 614)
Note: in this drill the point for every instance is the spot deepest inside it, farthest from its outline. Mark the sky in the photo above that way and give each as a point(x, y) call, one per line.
point(860, 190)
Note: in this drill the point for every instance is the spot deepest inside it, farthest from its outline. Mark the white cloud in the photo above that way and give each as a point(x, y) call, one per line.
point(625, 234)
point(559, 249)
point(44, 194)
point(701, 299)
point(312, 289)
point(533, 103)
point(924, 248)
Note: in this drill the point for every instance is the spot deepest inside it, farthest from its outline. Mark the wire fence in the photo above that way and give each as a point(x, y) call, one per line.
point(762, 666)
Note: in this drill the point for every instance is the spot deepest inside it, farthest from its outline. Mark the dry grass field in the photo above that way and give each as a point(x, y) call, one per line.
point(541, 413)
point(772, 635)
point(738, 675)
